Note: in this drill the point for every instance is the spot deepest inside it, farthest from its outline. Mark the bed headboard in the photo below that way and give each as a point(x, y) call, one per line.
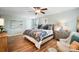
point(53, 26)
point(46, 27)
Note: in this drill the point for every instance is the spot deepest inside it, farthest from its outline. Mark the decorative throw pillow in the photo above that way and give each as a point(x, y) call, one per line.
point(45, 27)
point(74, 45)
point(39, 26)
point(75, 38)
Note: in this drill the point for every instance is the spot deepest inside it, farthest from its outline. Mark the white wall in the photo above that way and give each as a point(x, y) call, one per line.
point(17, 25)
point(69, 16)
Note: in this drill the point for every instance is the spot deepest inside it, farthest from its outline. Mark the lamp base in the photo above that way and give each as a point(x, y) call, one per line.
point(1, 28)
point(3, 31)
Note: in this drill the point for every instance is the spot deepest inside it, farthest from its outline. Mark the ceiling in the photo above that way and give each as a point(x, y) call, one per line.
point(28, 11)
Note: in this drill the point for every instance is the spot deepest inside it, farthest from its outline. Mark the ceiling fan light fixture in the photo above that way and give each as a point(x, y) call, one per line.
point(39, 10)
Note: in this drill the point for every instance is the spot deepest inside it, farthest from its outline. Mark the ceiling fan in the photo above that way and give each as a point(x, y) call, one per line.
point(39, 10)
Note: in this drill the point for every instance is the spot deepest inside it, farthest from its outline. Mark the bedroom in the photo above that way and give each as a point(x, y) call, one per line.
point(16, 20)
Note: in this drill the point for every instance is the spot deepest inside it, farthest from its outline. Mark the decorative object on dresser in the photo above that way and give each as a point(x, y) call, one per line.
point(3, 42)
point(1, 24)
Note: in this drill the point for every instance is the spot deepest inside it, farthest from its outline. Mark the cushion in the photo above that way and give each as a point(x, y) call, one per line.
point(75, 38)
point(39, 26)
point(63, 47)
point(46, 27)
point(74, 45)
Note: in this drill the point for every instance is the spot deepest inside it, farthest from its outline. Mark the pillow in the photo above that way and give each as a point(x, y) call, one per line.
point(45, 27)
point(75, 38)
point(74, 45)
point(39, 26)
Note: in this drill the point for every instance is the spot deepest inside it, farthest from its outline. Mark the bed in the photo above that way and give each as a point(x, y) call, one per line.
point(38, 36)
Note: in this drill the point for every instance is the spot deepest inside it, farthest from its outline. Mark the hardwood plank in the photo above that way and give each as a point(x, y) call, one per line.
point(19, 44)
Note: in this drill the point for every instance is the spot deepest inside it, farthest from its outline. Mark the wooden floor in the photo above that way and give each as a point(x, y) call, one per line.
point(19, 44)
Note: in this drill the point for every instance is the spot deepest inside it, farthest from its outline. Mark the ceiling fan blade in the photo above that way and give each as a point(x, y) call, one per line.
point(39, 10)
point(43, 12)
point(36, 7)
point(44, 9)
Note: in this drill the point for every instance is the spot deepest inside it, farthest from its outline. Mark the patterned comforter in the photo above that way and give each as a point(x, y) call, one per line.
point(38, 34)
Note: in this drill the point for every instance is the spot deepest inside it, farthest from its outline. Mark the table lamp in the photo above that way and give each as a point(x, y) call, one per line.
point(1, 24)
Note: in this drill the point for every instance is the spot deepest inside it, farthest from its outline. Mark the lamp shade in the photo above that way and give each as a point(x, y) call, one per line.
point(1, 21)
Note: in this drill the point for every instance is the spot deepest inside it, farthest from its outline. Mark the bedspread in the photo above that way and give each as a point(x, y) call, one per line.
point(38, 34)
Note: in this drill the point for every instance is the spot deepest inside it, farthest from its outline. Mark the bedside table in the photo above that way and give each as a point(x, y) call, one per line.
point(3, 42)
